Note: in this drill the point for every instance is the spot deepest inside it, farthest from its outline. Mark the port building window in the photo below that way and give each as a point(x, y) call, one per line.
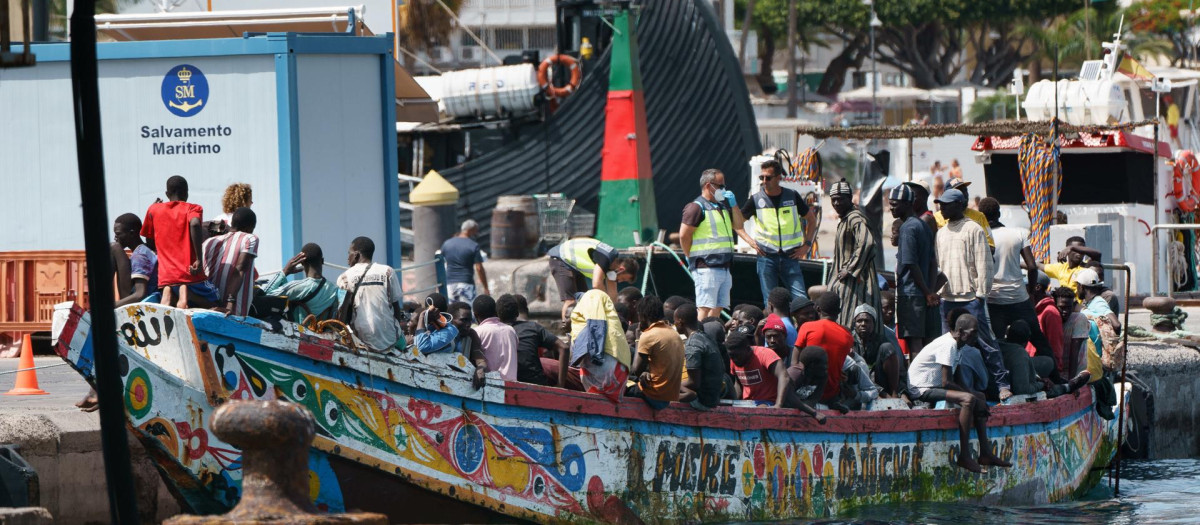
point(509, 38)
point(542, 38)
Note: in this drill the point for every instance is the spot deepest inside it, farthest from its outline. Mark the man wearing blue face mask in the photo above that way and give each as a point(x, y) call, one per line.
point(706, 235)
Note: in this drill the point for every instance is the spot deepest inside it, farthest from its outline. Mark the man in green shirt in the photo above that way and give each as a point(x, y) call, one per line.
point(310, 295)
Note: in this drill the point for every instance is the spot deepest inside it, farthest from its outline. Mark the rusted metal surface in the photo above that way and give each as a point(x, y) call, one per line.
point(274, 437)
point(551, 455)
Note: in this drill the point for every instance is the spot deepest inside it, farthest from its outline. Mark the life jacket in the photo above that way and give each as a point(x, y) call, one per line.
point(577, 253)
point(712, 242)
point(777, 230)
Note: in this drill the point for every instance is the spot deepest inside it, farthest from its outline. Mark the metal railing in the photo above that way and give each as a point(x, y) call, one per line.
point(1154, 253)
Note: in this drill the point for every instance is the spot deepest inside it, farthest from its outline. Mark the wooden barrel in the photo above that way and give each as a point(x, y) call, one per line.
point(509, 235)
point(527, 206)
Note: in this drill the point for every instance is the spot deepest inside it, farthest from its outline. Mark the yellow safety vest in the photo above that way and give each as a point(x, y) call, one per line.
point(576, 253)
point(777, 230)
point(713, 239)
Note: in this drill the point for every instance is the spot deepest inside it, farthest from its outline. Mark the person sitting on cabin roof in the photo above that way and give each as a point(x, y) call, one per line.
point(499, 340)
point(765, 379)
point(658, 365)
point(173, 231)
point(932, 373)
point(229, 263)
point(704, 373)
point(312, 295)
point(531, 336)
point(1070, 261)
point(376, 313)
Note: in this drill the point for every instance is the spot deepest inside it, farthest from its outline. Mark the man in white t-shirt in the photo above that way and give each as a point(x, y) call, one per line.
point(1009, 299)
point(932, 375)
point(377, 299)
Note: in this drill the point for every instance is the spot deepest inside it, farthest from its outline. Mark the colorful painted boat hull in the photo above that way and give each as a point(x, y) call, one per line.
point(547, 454)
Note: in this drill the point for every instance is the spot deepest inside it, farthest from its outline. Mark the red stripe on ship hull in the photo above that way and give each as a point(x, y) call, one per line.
point(313, 348)
point(620, 156)
point(744, 418)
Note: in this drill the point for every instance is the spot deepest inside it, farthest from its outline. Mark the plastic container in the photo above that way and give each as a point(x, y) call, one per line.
point(490, 91)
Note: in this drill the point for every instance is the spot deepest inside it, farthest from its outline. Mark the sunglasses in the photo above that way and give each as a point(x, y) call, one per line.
point(765, 177)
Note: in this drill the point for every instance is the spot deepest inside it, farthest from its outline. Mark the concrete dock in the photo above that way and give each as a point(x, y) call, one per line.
point(63, 444)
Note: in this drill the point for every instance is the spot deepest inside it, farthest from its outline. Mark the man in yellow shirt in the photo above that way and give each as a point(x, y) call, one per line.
point(974, 215)
point(1070, 262)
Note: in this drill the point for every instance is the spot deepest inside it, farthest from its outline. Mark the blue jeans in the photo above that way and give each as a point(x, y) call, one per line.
point(780, 271)
point(987, 341)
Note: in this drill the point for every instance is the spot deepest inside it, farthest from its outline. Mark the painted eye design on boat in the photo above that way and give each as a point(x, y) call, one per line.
point(331, 412)
point(299, 391)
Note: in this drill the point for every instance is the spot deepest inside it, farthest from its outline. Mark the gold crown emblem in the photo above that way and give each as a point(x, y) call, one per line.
point(184, 75)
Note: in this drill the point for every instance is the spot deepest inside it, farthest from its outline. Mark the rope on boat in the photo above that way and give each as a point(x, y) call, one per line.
point(1041, 184)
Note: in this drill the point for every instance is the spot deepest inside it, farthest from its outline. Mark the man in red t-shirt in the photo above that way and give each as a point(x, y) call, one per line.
point(829, 335)
point(173, 231)
point(762, 374)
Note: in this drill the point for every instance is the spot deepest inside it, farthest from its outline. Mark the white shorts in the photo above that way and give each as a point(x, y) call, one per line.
point(712, 287)
point(461, 292)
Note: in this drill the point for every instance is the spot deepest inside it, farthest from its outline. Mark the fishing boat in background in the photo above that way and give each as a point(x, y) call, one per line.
point(406, 435)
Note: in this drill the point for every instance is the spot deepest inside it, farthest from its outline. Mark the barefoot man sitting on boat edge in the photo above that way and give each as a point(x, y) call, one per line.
point(932, 373)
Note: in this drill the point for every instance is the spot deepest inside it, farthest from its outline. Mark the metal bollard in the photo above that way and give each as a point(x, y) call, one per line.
point(274, 437)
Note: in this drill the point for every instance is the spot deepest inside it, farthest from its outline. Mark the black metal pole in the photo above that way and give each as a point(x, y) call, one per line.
point(122, 499)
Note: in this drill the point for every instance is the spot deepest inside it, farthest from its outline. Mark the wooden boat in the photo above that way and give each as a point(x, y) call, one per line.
point(396, 427)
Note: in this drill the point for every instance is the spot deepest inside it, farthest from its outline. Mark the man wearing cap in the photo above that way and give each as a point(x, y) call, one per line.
point(706, 236)
point(1091, 289)
point(964, 257)
point(581, 262)
point(778, 214)
point(463, 260)
point(855, 280)
point(917, 314)
point(974, 215)
point(921, 193)
point(1051, 323)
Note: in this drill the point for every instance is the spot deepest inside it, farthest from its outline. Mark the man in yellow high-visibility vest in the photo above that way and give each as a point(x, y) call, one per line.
point(581, 261)
point(706, 235)
point(778, 214)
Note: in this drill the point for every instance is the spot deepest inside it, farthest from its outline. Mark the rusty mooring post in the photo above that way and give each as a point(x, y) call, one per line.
point(274, 437)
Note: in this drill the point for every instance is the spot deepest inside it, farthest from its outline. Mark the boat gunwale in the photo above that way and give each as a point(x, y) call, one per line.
point(528, 395)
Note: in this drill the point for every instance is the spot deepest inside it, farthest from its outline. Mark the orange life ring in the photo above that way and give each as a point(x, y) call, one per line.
point(1186, 168)
point(543, 76)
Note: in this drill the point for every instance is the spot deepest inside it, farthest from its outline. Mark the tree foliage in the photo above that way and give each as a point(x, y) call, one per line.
point(1161, 18)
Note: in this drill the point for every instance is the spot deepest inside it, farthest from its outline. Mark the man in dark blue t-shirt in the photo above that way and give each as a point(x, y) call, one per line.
point(463, 259)
point(917, 313)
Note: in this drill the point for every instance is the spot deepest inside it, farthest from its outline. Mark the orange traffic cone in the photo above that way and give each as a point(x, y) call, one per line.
point(27, 384)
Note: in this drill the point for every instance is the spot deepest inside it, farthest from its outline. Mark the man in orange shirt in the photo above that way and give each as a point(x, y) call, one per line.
point(658, 365)
point(173, 230)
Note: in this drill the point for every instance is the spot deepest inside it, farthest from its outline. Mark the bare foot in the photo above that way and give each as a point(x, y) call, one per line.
point(967, 463)
point(168, 296)
point(992, 460)
point(89, 403)
point(183, 298)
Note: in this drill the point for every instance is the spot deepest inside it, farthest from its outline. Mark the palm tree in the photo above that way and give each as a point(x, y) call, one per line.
point(424, 25)
point(1077, 37)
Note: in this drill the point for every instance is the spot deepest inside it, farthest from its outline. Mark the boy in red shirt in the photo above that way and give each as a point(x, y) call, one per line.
point(829, 335)
point(762, 374)
point(173, 231)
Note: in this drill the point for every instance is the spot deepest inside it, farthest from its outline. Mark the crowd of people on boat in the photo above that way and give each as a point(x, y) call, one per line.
point(970, 319)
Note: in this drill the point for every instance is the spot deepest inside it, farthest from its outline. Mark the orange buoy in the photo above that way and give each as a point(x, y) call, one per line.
point(1187, 169)
point(543, 76)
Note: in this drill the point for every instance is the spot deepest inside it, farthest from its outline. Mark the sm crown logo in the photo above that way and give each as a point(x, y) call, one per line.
point(184, 90)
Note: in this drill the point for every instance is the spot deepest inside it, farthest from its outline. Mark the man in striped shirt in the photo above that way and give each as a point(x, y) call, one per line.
point(229, 263)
